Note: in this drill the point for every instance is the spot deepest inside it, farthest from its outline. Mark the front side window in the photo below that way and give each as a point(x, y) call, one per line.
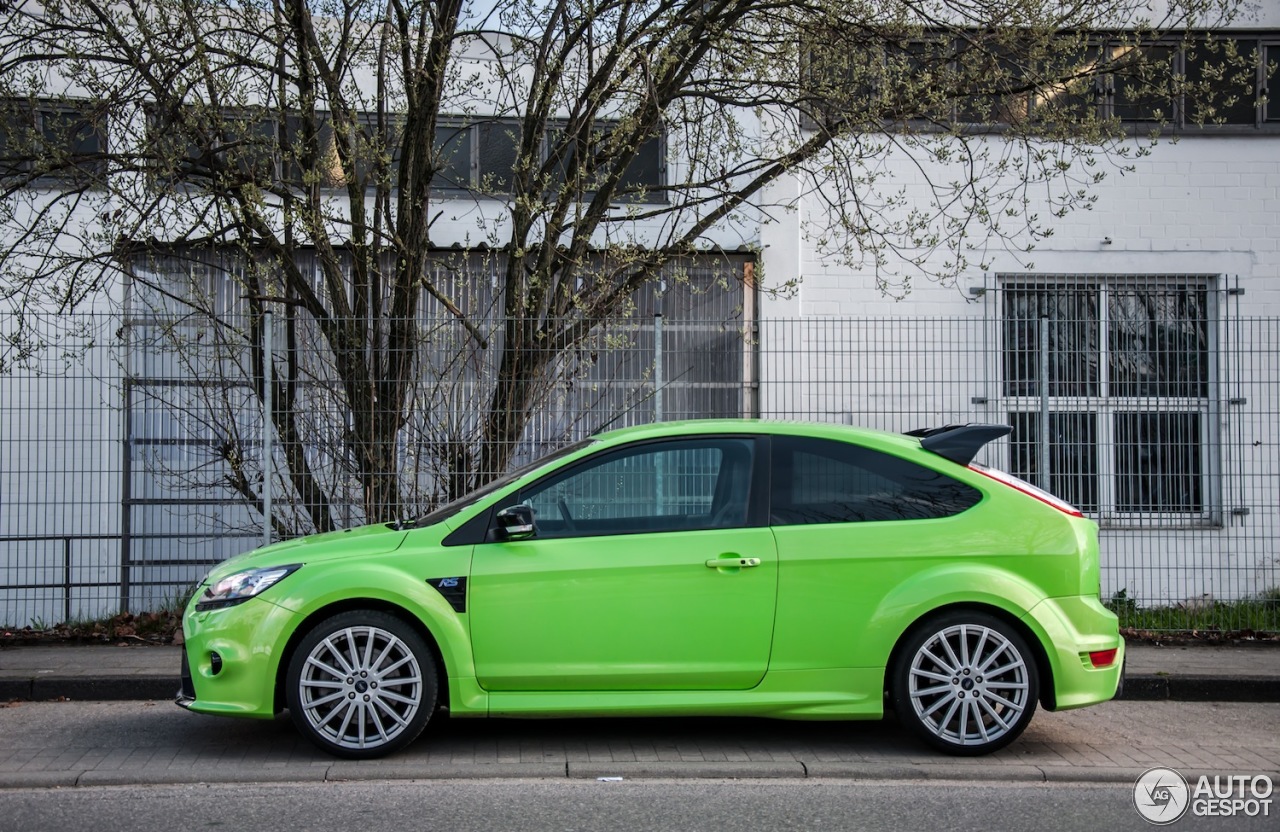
point(1127, 376)
point(681, 485)
point(824, 481)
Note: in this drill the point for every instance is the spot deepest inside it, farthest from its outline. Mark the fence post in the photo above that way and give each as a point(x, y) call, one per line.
point(657, 366)
point(126, 495)
point(66, 580)
point(1043, 438)
point(659, 473)
point(268, 383)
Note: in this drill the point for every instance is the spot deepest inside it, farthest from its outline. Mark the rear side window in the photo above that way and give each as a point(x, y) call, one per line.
point(824, 481)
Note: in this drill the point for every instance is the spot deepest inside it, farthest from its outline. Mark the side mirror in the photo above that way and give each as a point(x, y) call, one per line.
point(516, 523)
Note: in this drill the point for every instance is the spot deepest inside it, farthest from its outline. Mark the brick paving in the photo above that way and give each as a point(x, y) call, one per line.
point(134, 740)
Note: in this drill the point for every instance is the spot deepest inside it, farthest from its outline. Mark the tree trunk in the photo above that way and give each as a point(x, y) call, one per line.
point(512, 400)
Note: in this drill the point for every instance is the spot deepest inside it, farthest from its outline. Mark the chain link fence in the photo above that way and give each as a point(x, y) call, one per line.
point(134, 455)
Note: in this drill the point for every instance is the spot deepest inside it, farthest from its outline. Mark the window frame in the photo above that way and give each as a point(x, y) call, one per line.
point(1270, 50)
point(83, 173)
point(1106, 91)
point(656, 193)
point(1106, 408)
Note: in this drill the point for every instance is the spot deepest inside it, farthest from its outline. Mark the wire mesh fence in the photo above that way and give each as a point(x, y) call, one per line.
point(134, 446)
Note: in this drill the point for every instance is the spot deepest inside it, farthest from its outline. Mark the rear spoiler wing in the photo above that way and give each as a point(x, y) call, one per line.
point(959, 443)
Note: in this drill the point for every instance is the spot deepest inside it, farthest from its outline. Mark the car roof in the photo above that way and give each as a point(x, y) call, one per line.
point(774, 427)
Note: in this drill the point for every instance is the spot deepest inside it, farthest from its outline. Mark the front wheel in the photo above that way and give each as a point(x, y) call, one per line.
point(966, 683)
point(361, 684)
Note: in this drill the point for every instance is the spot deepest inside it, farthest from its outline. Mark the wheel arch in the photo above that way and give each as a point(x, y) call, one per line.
point(350, 605)
point(1044, 668)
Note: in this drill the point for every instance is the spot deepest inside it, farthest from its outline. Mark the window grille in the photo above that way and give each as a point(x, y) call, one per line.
point(1129, 387)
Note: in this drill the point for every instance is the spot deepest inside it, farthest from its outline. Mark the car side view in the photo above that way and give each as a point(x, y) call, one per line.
point(729, 567)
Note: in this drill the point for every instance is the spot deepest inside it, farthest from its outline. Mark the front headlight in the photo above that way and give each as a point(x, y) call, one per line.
point(240, 587)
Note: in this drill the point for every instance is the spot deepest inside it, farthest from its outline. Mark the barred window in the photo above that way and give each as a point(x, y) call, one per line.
point(1128, 376)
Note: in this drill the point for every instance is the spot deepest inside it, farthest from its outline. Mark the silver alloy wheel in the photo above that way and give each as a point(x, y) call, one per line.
point(968, 685)
point(360, 687)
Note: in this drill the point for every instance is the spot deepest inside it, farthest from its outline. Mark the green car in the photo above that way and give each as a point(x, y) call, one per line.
point(800, 571)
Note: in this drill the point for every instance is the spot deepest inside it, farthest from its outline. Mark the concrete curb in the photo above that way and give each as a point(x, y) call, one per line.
point(690, 770)
point(90, 688)
point(869, 772)
point(1201, 688)
point(374, 770)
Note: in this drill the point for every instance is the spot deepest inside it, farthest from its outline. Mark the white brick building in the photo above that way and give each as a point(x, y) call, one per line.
point(1180, 458)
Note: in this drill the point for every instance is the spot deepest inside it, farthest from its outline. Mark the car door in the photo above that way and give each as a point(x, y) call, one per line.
point(649, 570)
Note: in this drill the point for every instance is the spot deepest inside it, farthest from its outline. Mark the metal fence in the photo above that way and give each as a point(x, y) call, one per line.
point(133, 452)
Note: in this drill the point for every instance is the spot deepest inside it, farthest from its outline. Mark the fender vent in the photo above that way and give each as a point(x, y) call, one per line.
point(453, 590)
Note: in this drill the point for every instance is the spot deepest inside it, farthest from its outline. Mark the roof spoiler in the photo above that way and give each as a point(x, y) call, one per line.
point(959, 443)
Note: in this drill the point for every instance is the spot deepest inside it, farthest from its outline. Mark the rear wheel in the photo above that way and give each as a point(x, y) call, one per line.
point(361, 684)
point(966, 683)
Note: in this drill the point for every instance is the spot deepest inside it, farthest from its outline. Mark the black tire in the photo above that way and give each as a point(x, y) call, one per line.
point(361, 684)
point(945, 691)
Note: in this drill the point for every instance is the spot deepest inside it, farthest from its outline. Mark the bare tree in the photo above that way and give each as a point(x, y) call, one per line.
point(312, 142)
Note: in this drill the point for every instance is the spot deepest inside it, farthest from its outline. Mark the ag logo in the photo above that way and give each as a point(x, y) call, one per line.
point(1161, 796)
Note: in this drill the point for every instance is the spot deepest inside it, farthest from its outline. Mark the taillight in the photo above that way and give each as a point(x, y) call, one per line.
point(1027, 488)
point(1103, 658)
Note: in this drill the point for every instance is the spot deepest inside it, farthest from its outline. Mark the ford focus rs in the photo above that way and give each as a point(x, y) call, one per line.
point(798, 571)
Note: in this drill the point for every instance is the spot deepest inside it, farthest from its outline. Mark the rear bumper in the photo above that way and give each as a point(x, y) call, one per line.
point(1070, 629)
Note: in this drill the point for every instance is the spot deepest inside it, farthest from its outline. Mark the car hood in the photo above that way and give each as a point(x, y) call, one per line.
point(362, 540)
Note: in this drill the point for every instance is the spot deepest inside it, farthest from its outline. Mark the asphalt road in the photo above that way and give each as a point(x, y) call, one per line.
point(532, 806)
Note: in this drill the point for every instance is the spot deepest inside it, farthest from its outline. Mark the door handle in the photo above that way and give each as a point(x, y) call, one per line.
point(732, 563)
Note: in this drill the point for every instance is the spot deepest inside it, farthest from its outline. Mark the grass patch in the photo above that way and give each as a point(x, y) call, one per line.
point(1257, 617)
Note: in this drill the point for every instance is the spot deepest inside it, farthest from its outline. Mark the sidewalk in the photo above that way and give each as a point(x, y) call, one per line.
point(1246, 673)
point(136, 741)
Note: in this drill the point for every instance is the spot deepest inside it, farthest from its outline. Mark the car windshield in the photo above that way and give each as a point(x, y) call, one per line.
point(447, 510)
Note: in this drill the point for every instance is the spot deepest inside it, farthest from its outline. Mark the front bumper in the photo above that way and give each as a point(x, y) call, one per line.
point(1070, 629)
point(232, 657)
